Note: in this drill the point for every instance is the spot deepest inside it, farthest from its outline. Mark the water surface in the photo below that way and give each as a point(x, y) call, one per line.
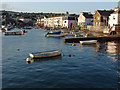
point(89, 66)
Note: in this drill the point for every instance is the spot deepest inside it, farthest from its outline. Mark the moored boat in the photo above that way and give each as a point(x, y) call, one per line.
point(55, 34)
point(46, 54)
point(13, 33)
point(88, 42)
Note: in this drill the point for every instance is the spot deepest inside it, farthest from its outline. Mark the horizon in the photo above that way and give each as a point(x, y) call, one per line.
point(58, 7)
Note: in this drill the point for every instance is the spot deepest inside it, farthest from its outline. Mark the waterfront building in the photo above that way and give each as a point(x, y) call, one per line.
point(114, 18)
point(45, 21)
point(68, 21)
point(85, 18)
point(101, 17)
point(60, 20)
point(53, 21)
point(42, 21)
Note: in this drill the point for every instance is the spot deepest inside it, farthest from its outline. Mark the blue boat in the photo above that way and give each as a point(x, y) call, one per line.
point(57, 32)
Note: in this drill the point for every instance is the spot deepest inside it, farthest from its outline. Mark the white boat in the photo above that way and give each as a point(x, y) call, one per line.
point(88, 42)
point(46, 54)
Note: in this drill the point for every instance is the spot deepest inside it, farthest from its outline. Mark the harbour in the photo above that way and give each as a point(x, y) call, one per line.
point(72, 45)
point(87, 67)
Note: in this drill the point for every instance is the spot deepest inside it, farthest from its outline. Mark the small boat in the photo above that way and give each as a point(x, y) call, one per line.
point(13, 32)
point(46, 54)
point(88, 42)
point(55, 34)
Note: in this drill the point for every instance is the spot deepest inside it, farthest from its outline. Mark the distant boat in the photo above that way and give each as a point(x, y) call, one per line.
point(21, 32)
point(55, 34)
point(46, 54)
point(27, 28)
point(88, 42)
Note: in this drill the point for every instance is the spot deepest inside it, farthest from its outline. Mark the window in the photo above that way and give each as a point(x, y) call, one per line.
point(98, 24)
point(113, 17)
point(98, 18)
point(95, 18)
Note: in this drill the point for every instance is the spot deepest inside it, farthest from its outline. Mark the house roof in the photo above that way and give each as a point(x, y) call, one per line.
point(118, 11)
point(87, 15)
point(105, 12)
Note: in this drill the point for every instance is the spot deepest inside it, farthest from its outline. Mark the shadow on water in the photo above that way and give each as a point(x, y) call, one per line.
point(43, 59)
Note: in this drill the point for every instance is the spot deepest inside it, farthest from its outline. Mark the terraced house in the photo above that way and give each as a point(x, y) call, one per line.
point(53, 21)
point(85, 18)
point(101, 17)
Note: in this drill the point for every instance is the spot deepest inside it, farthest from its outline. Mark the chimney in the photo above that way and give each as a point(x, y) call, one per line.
point(67, 12)
point(89, 12)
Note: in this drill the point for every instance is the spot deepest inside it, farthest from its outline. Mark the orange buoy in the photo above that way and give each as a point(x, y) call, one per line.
point(73, 44)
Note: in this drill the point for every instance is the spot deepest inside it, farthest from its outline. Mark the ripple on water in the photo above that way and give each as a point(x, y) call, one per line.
point(86, 68)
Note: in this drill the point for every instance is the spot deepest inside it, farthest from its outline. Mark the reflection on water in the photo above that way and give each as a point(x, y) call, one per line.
point(31, 60)
point(113, 51)
point(91, 66)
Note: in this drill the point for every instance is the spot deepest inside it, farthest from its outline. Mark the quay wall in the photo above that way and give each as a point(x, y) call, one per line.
point(98, 28)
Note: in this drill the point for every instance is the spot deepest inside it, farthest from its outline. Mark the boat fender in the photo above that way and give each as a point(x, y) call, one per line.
point(23, 33)
point(28, 61)
point(69, 55)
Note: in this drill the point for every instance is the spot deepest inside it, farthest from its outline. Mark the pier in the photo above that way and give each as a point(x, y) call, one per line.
point(101, 39)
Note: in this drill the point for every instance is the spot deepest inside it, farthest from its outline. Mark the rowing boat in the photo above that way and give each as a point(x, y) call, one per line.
point(46, 54)
point(88, 42)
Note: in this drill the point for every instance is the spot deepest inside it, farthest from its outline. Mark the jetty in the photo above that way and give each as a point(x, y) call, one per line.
point(101, 39)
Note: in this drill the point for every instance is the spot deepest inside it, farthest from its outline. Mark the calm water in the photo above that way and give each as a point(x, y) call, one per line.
point(88, 67)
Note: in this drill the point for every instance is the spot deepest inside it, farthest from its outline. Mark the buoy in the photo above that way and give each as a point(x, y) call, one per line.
point(18, 49)
point(69, 55)
point(86, 35)
point(23, 33)
point(28, 61)
point(73, 44)
point(45, 35)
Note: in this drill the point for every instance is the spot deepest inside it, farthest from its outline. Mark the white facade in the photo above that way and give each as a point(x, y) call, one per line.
point(53, 21)
point(82, 20)
point(113, 19)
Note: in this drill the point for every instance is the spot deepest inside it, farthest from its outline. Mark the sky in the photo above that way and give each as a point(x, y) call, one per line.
point(58, 7)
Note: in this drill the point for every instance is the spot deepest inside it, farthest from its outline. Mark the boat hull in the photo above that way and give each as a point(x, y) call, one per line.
point(88, 42)
point(55, 35)
point(46, 54)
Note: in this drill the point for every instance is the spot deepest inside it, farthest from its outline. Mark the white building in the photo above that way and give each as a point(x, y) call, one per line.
point(85, 18)
point(53, 21)
point(114, 18)
point(68, 21)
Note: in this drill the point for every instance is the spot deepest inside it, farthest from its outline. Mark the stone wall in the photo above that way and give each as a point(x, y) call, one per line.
point(98, 28)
